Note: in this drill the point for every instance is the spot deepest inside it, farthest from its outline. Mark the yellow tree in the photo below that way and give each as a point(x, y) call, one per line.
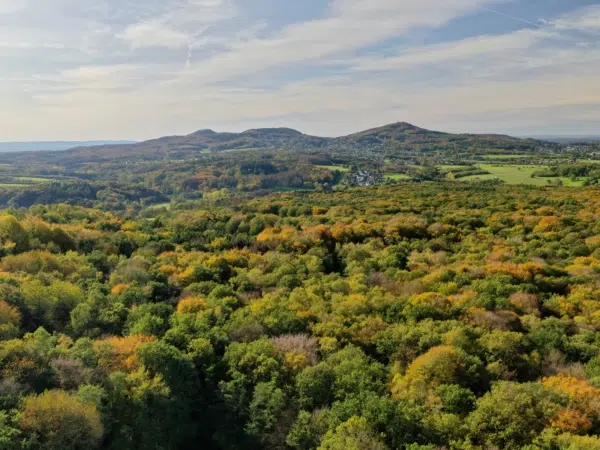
point(56, 420)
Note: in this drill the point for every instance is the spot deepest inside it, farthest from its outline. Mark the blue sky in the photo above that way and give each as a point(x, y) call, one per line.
point(137, 69)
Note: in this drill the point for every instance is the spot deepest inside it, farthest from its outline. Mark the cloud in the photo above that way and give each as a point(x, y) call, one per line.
point(178, 25)
point(138, 69)
point(351, 25)
point(585, 19)
point(30, 45)
point(470, 48)
point(9, 6)
point(154, 34)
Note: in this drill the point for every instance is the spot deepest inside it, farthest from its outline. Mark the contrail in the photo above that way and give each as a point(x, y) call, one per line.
point(518, 19)
point(188, 63)
point(537, 25)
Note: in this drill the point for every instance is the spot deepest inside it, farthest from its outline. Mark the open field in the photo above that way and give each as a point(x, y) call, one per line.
point(233, 150)
point(570, 183)
point(518, 174)
point(292, 189)
point(513, 174)
point(452, 167)
point(12, 182)
point(11, 185)
point(159, 205)
point(334, 168)
point(398, 177)
point(510, 174)
point(35, 179)
point(508, 156)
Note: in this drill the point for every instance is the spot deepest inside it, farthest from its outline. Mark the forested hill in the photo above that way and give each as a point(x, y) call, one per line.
point(399, 136)
point(405, 136)
point(187, 168)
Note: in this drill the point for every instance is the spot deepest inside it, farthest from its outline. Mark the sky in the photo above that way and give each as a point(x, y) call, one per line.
point(139, 69)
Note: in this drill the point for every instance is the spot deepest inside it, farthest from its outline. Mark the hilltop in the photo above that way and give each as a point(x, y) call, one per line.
point(395, 137)
point(405, 136)
point(202, 141)
point(258, 161)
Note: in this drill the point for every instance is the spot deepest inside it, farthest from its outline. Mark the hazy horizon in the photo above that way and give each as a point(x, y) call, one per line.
point(33, 146)
point(66, 144)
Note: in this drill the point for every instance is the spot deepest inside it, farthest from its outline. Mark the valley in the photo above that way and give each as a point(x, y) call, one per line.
point(185, 168)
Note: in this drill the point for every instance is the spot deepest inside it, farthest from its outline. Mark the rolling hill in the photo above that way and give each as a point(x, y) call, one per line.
point(400, 136)
point(255, 161)
point(407, 137)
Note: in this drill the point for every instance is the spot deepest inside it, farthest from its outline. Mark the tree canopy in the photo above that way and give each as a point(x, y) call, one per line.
point(450, 316)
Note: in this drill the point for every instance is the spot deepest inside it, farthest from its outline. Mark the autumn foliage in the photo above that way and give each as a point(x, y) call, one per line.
point(422, 316)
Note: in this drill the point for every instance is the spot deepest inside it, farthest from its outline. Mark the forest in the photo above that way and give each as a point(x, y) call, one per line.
point(129, 179)
point(438, 315)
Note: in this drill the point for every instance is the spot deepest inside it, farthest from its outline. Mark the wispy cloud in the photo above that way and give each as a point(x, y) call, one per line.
point(153, 34)
point(136, 69)
point(467, 49)
point(585, 19)
point(178, 25)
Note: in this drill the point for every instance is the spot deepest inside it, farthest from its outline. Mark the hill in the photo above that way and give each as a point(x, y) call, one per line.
point(408, 137)
point(397, 137)
point(124, 176)
point(203, 141)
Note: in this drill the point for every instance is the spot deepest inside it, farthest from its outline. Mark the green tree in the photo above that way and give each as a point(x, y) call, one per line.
point(511, 415)
point(439, 366)
point(268, 403)
point(314, 386)
point(13, 237)
point(355, 434)
point(308, 430)
point(9, 431)
point(56, 420)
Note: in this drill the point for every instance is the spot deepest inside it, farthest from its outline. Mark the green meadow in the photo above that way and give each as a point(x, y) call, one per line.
point(518, 174)
point(398, 177)
point(334, 168)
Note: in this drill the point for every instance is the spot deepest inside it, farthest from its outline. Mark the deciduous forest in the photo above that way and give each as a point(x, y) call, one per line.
point(413, 316)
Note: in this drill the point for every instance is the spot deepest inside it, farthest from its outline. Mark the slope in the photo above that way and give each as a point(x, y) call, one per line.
point(400, 136)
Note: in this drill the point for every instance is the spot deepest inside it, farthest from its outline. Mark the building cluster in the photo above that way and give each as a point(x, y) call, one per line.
point(364, 178)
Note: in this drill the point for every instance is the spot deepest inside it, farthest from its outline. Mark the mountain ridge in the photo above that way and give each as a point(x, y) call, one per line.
point(399, 136)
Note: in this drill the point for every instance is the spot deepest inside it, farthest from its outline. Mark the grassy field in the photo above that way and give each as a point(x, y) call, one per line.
point(23, 181)
point(159, 205)
point(510, 174)
point(35, 179)
point(518, 174)
point(507, 156)
point(570, 183)
point(292, 189)
point(12, 185)
point(450, 167)
point(398, 176)
point(232, 150)
point(334, 168)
